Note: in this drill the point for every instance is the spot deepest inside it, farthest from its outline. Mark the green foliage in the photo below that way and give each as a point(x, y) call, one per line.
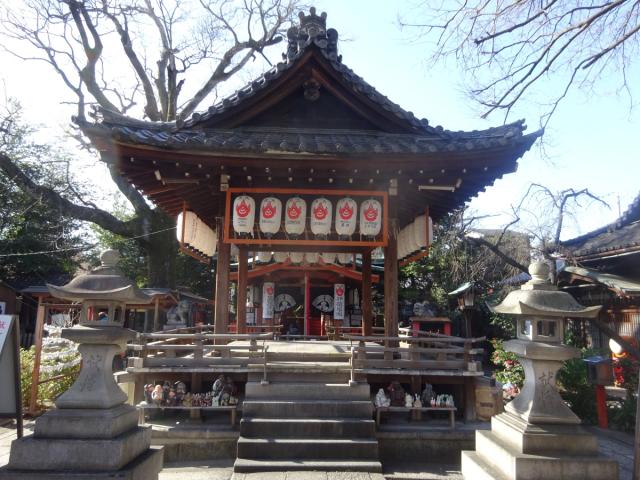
point(509, 369)
point(506, 326)
point(28, 225)
point(48, 391)
point(622, 415)
point(576, 390)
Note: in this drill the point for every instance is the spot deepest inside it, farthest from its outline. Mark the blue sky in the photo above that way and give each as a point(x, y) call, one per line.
point(591, 142)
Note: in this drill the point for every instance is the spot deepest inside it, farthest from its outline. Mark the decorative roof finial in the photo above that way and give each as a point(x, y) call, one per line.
point(312, 29)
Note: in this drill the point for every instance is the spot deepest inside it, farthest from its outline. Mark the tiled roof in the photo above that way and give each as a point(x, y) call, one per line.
point(623, 233)
point(283, 140)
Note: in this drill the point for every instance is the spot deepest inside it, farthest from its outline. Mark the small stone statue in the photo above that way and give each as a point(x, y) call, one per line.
point(186, 401)
point(381, 399)
point(417, 403)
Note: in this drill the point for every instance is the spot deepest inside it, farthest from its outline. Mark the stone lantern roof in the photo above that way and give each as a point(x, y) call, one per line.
point(539, 297)
point(105, 282)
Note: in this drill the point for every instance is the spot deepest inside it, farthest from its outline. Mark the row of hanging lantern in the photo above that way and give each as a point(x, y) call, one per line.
point(415, 237)
point(195, 234)
point(321, 216)
point(306, 257)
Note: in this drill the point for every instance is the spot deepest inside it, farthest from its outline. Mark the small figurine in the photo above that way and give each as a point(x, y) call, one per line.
point(417, 403)
point(187, 400)
point(165, 390)
point(427, 394)
point(181, 389)
point(396, 393)
point(148, 391)
point(218, 385)
point(381, 399)
point(408, 401)
point(157, 395)
point(171, 399)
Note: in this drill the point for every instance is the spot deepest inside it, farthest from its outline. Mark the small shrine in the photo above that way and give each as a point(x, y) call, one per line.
point(91, 433)
point(538, 436)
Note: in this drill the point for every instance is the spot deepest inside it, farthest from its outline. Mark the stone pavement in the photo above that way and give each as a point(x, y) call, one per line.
point(614, 444)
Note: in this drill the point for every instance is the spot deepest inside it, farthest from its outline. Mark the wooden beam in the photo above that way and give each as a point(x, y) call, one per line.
point(391, 267)
point(222, 284)
point(367, 307)
point(241, 307)
point(35, 375)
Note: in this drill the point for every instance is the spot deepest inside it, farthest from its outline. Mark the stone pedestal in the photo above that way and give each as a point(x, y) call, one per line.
point(538, 437)
point(91, 434)
point(515, 450)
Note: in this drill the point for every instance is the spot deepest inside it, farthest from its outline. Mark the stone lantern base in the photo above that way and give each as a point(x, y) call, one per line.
point(91, 434)
point(516, 450)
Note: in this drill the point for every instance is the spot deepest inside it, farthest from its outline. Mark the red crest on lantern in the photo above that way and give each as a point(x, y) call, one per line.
point(243, 209)
point(268, 210)
point(339, 291)
point(346, 212)
point(294, 211)
point(269, 290)
point(371, 213)
point(321, 211)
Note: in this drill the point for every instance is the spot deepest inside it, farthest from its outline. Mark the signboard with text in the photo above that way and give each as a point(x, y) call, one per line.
point(10, 400)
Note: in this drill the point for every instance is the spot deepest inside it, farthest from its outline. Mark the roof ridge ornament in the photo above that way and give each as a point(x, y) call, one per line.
point(312, 29)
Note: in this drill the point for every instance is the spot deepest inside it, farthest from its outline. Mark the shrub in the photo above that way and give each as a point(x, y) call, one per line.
point(509, 369)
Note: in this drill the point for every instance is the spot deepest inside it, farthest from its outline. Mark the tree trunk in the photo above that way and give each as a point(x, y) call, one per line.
point(161, 249)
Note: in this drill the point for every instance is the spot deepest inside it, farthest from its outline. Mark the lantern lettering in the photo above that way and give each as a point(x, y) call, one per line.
point(321, 215)
point(370, 218)
point(295, 216)
point(346, 216)
point(270, 215)
point(244, 214)
point(338, 301)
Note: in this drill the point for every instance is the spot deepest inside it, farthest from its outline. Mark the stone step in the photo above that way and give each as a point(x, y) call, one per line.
point(474, 467)
point(513, 464)
point(307, 448)
point(243, 465)
point(307, 391)
point(307, 408)
point(307, 427)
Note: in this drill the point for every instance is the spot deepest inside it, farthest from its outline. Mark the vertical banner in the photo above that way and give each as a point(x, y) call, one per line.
point(338, 301)
point(10, 400)
point(268, 303)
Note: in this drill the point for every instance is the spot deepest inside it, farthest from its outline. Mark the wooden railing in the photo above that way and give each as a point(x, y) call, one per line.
point(430, 352)
point(191, 350)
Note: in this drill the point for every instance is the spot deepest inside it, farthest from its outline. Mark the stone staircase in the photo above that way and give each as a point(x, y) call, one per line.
point(300, 425)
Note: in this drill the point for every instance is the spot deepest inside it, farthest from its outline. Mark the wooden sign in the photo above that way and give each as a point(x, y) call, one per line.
point(318, 228)
point(10, 400)
point(339, 291)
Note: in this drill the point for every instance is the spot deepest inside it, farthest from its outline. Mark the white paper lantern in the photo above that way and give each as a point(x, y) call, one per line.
point(422, 236)
point(321, 215)
point(270, 215)
point(244, 214)
point(346, 216)
point(188, 222)
point(210, 241)
point(370, 218)
point(311, 257)
point(412, 244)
point(235, 251)
point(280, 257)
point(345, 258)
point(295, 216)
point(296, 257)
point(264, 257)
point(328, 257)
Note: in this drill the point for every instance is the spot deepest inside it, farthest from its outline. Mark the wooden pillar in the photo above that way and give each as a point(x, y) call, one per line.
point(156, 315)
point(391, 266)
point(307, 303)
point(222, 283)
point(241, 307)
point(367, 307)
point(35, 376)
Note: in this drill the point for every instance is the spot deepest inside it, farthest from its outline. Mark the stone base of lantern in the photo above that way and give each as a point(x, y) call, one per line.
point(85, 443)
point(516, 450)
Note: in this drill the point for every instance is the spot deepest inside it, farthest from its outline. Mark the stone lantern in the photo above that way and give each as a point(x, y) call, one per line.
point(91, 433)
point(539, 436)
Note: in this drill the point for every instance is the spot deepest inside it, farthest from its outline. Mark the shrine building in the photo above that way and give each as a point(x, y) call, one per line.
point(309, 164)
